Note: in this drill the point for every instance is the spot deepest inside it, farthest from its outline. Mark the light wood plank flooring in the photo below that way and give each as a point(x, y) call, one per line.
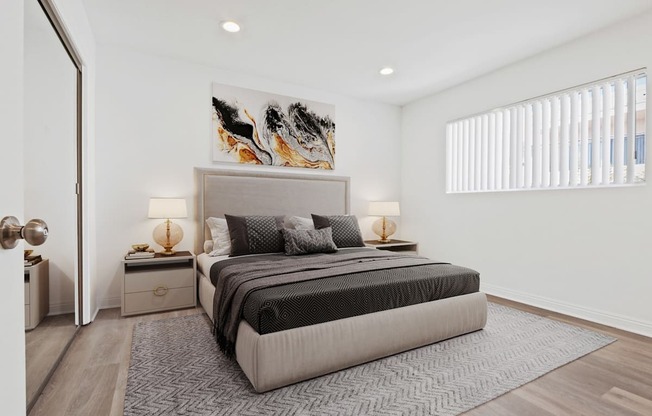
point(92, 378)
point(43, 346)
point(615, 380)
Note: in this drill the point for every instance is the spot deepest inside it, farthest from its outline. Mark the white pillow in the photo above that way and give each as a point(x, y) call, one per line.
point(301, 223)
point(220, 234)
point(208, 246)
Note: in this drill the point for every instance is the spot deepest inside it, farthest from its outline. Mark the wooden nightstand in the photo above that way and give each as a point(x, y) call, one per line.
point(401, 246)
point(159, 284)
point(37, 293)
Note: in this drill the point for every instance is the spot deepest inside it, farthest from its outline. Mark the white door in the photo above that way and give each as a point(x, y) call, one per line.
point(12, 340)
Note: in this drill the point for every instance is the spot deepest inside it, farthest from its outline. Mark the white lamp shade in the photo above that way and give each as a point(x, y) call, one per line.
point(167, 208)
point(384, 209)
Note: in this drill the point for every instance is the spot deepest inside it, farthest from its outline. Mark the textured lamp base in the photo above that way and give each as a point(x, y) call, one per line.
point(384, 228)
point(167, 235)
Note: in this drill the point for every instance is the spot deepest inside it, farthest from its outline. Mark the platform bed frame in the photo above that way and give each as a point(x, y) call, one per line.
point(281, 358)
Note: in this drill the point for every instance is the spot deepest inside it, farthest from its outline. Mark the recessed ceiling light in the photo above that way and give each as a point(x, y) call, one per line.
point(231, 26)
point(386, 71)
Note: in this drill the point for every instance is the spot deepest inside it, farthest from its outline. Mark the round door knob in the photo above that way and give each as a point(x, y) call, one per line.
point(35, 232)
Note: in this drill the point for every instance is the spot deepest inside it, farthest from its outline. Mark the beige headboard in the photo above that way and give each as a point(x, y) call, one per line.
point(237, 192)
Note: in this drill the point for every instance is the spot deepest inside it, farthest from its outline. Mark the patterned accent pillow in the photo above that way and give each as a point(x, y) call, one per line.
point(308, 241)
point(346, 232)
point(255, 234)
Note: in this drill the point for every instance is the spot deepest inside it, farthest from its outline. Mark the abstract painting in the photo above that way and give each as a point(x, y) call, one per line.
point(259, 128)
point(268, 129)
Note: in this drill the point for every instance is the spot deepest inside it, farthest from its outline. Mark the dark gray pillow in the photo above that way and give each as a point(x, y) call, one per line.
point(255, 234)
point(308, 241)
point(346, 232)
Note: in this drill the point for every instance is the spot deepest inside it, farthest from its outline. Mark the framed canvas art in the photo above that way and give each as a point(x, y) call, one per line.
point(260, 128)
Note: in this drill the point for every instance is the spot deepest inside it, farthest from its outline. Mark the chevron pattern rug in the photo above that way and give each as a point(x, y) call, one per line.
point(176, 369)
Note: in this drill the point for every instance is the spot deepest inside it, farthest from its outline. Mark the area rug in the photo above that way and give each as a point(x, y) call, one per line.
point(177, 369)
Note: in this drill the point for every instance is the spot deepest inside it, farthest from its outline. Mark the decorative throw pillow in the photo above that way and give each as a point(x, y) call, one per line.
point(299, 223)
point(255, 234)
point(220, 234)
point(308, 241)
point(346, 232)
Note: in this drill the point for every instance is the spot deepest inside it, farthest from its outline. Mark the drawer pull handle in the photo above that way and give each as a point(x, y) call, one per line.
point(161, 291)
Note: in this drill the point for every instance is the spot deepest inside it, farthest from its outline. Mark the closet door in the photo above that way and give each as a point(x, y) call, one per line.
point(50, 174)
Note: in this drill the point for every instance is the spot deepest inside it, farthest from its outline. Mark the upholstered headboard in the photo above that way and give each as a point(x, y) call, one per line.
point(238, 192)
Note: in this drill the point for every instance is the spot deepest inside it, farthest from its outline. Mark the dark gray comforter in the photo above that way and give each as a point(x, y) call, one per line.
point(278, 292)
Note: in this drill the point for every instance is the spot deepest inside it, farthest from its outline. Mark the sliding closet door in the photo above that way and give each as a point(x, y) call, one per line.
point(51, 128)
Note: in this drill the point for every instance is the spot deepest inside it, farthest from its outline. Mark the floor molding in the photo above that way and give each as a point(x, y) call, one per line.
point(611, 319)
point(108, 303)
point(61, 308)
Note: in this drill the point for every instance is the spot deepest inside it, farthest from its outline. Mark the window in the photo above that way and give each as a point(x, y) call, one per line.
point(591, 135)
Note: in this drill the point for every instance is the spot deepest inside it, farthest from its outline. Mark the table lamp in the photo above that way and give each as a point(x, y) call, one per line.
point(167, 234)
point(383, 227)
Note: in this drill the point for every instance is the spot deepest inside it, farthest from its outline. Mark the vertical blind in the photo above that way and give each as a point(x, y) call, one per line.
point(584, 136)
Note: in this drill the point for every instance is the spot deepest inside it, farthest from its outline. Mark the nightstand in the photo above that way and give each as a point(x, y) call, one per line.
point(159, 284)
point(37, 293)
point(400, 246)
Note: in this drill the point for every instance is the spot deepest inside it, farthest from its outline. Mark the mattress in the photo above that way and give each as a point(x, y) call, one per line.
point(278, 308)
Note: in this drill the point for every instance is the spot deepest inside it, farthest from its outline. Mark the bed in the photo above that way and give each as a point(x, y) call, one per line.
point(276, 359)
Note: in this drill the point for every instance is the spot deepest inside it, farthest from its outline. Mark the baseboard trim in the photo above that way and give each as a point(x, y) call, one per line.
point(610, 319)
point(61, 308)
point(108, 303)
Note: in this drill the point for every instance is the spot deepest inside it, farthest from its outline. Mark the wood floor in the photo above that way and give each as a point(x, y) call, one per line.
point(615, 380)
point(43, 346)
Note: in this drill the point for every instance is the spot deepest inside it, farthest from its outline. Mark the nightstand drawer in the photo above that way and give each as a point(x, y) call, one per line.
point(148, 280)
point(151, 302)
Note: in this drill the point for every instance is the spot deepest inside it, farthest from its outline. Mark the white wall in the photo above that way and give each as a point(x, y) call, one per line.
point(583, 252)
point(153, 127)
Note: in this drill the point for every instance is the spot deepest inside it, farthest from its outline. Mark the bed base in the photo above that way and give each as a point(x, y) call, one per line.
point(281, 358)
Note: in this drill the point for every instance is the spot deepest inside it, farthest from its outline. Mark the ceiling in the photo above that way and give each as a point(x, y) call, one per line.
point(339, 45)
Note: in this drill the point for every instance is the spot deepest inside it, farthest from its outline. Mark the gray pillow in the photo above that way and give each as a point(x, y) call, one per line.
point(346, 232)
point(299, 223)
point(308, 241)
point(255, 234)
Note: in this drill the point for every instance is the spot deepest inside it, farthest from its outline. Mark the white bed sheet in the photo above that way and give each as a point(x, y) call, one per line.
point(205, 262)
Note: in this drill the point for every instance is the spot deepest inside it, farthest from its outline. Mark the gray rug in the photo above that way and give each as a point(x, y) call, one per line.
point(176, 369)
